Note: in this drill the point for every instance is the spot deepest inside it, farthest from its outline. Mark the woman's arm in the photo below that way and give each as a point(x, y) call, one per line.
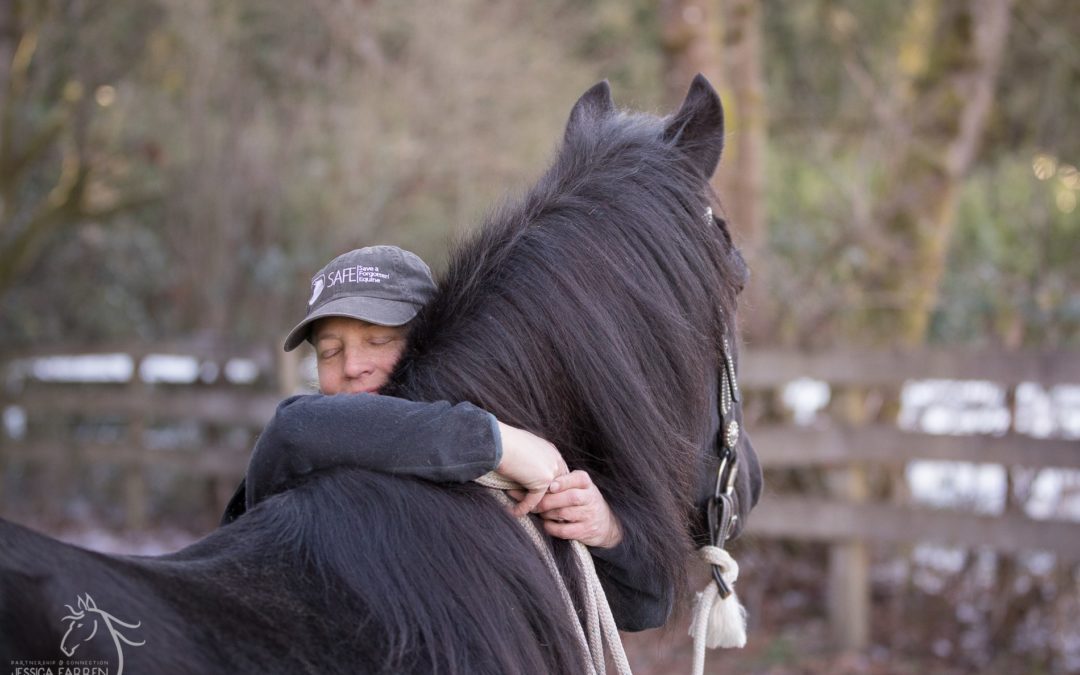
point(435, 441)
point(639, 599)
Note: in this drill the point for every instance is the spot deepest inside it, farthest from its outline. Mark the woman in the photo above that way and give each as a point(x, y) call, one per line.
point(357, 318)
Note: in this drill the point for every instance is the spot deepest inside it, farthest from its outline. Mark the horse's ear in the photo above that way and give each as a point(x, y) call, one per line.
point(87, 602)
point(593, 106)
point(698, 127)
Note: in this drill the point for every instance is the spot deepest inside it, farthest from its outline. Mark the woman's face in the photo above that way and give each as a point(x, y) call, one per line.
point(354, 356)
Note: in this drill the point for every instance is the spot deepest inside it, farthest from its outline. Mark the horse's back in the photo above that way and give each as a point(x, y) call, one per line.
point(350, 572)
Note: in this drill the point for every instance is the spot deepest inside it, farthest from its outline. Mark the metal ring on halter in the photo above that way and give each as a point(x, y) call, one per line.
point(726, 472)
point(721, 513)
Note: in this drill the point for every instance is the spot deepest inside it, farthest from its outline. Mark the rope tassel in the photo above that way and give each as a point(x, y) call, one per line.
point(717, 622)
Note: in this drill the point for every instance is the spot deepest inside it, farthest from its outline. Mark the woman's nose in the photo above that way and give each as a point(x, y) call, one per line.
point(357, 362)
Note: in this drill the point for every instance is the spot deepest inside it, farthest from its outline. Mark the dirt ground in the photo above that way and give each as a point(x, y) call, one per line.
point(799, 650)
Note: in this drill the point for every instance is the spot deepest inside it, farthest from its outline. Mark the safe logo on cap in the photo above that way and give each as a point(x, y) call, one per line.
point(317, 286)
point(383, 285)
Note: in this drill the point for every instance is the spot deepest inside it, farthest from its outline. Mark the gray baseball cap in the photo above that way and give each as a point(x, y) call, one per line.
point(384, 285)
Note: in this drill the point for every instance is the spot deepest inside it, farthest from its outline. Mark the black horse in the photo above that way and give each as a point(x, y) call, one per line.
point(593, 312)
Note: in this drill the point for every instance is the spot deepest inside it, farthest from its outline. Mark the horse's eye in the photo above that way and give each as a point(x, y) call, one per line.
point(722, 224)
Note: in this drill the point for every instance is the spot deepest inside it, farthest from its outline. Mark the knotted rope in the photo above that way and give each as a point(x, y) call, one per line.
point(717, 621)
point(598, 618)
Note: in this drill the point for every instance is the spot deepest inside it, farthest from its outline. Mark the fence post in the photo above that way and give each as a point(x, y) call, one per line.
point(288, 372)
point(135, 511)
point(849, 561)
point(4, 498)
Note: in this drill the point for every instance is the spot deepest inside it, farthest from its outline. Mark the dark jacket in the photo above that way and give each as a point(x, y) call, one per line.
point(434, 441)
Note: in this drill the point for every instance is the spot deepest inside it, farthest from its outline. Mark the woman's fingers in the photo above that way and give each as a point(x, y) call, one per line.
point(528, 503)
point(600, 533)
point(571, 506)
point(578, 531)
point(573, 489)
point(569, 514)
point(561, 500)
point(529, 460)
point(575, 479)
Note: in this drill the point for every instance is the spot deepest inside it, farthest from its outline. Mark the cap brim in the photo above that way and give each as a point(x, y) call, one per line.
point(373, 310)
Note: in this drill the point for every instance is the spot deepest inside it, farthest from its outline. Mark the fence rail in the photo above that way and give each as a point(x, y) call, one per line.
point(783, 447)
point(807, 519)
point(226, 462)
point(765, 368)
point(169, 402)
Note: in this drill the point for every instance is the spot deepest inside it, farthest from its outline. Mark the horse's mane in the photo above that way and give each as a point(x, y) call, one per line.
point(412, 593)
point(590, 311)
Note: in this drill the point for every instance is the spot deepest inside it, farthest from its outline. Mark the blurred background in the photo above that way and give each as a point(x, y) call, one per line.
point(902, 178)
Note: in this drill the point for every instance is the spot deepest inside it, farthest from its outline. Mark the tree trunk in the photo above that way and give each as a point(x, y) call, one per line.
point(690, 36)
point(740, 180)
point(722, 40)
point(943, 105)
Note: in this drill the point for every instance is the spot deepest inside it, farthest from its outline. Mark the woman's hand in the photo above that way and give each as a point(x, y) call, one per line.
point(531, 462)
point(573, 508)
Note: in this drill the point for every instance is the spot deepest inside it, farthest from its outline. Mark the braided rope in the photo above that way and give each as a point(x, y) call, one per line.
point(598, 616)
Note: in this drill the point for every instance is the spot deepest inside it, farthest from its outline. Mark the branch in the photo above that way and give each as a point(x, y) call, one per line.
point(16, 162)
point(60, 206)
point(20, 63)
point(120, 206)
point(977, 87)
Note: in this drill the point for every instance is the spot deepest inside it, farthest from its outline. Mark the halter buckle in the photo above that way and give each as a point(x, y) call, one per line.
point(726, 472)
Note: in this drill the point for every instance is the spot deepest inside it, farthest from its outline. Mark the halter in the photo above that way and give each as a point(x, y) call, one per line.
point(721, 507)
point(719, 619)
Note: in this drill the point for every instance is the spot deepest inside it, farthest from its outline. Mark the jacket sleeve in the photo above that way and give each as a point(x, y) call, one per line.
point(639, 597)
point(435, 441)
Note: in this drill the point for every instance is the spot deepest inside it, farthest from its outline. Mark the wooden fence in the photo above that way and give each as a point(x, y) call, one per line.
point(847, 444)
point(227, 416)
point(842, 446)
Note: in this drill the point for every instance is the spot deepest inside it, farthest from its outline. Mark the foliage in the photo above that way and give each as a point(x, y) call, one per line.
point(279, 147)
point(232, 147)
point(833, 70)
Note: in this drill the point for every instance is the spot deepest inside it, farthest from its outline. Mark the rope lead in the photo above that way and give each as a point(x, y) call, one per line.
point(598, 617)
